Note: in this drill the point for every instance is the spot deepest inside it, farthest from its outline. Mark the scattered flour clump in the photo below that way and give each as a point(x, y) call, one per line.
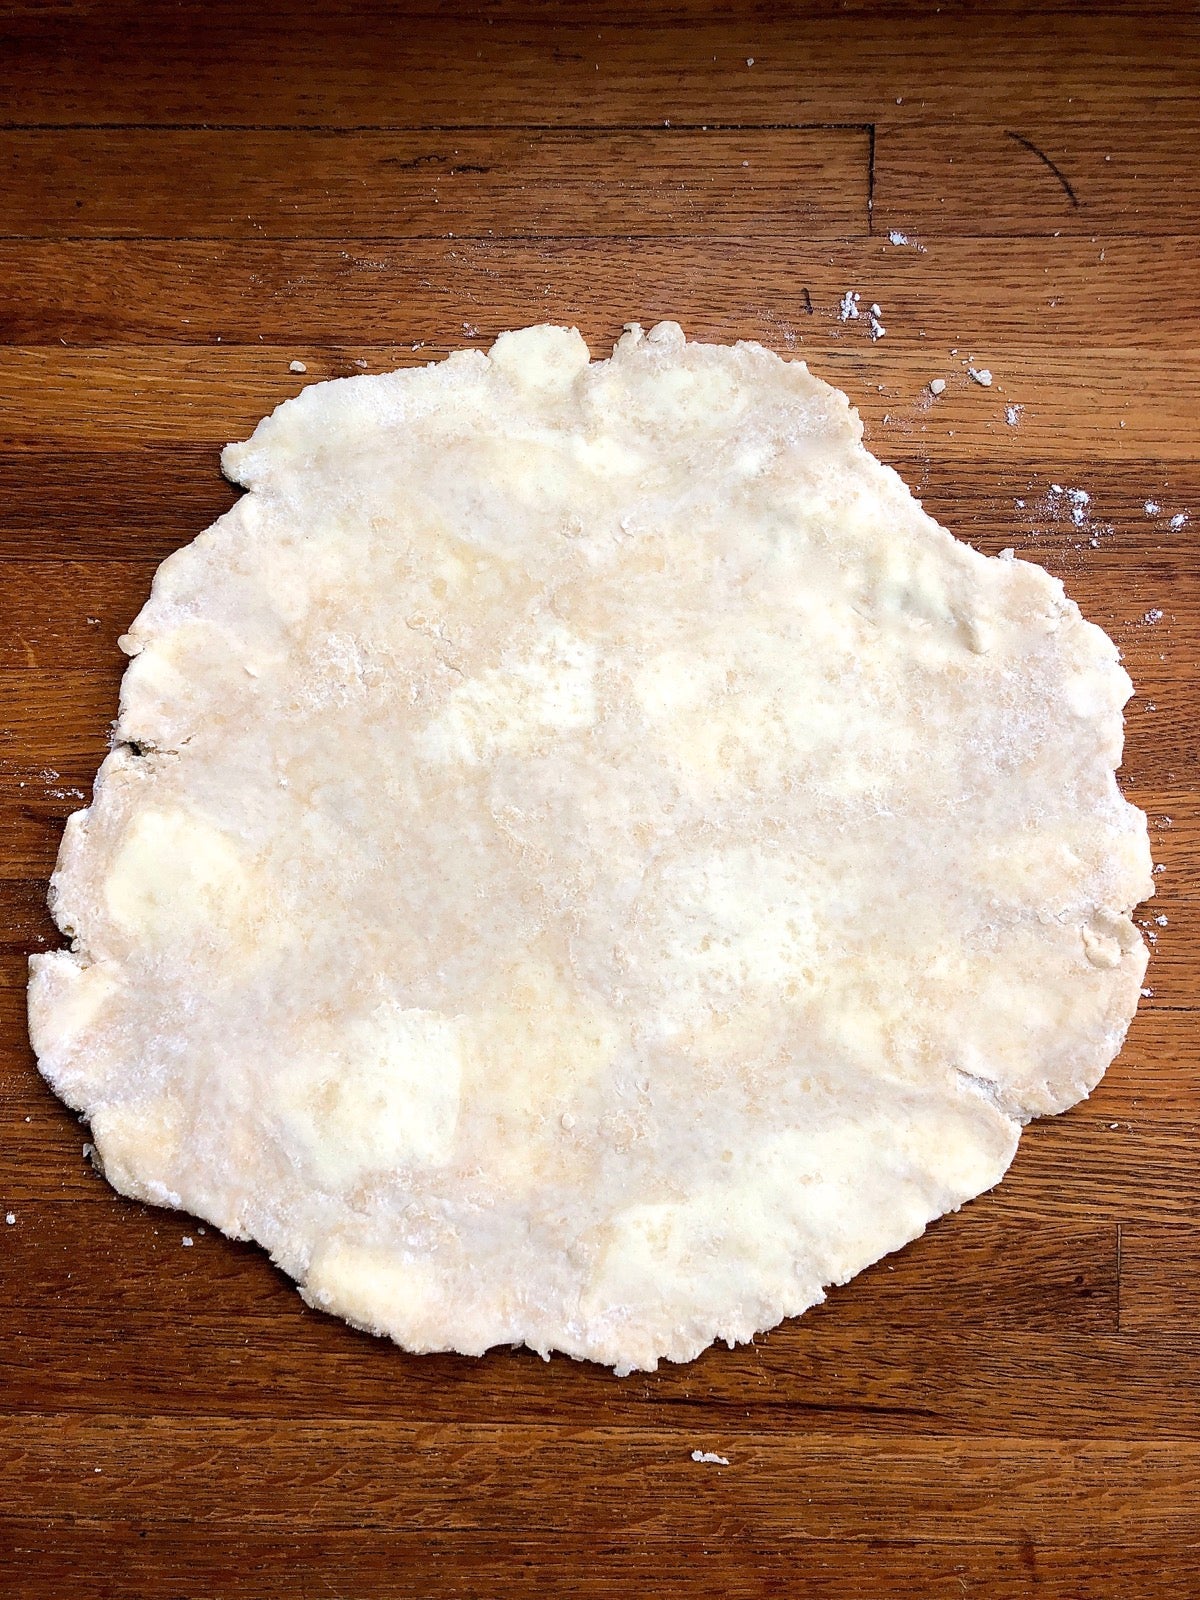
point(1063, 502)
point(848, 312)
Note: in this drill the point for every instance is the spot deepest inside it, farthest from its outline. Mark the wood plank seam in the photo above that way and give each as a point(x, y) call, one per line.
point(666, 126)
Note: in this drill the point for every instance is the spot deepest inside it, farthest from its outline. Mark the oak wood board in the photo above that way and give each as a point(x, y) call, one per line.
point(193, 196)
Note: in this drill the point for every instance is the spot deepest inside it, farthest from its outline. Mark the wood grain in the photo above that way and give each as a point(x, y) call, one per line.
point(305, 294)
point(1089, 174)
point(187, 1560)
point(479, 1477)
point(1160, 1277)
point(400, 184)
point(193, 195)
point(431, 66)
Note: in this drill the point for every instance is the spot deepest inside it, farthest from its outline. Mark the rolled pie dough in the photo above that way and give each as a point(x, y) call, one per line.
point(586, 860)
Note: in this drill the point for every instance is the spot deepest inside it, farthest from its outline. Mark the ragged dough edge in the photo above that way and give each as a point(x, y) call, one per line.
point(62, 991)
point(932, 1170)
point(133, 1147)
point(1108, 936)
point(401, 1300)
point(406, 1301)
point(65, 993)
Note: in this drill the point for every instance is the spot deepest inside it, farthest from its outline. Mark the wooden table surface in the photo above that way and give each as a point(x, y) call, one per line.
point(192, 196)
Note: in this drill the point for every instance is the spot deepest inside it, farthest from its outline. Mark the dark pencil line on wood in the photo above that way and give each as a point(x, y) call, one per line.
point(1042, 156)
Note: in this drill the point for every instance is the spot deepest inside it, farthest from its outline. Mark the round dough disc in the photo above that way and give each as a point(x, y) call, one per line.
point(586, 860)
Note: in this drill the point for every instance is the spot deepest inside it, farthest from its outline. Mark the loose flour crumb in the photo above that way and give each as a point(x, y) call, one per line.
point(711, 1456)
point(981, 375)
point(1153, 616)
point(187, 1242)
point(11, 1218)
point(1151, 508)
point(1077, 500)
point(297, 366)
point(937, 386)
point(848, 310)
point(1064, 502)
point(875, 326)
point(1012, 415)
point(1178, 521)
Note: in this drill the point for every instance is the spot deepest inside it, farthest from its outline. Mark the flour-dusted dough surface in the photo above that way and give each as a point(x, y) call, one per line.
point(588, 861)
